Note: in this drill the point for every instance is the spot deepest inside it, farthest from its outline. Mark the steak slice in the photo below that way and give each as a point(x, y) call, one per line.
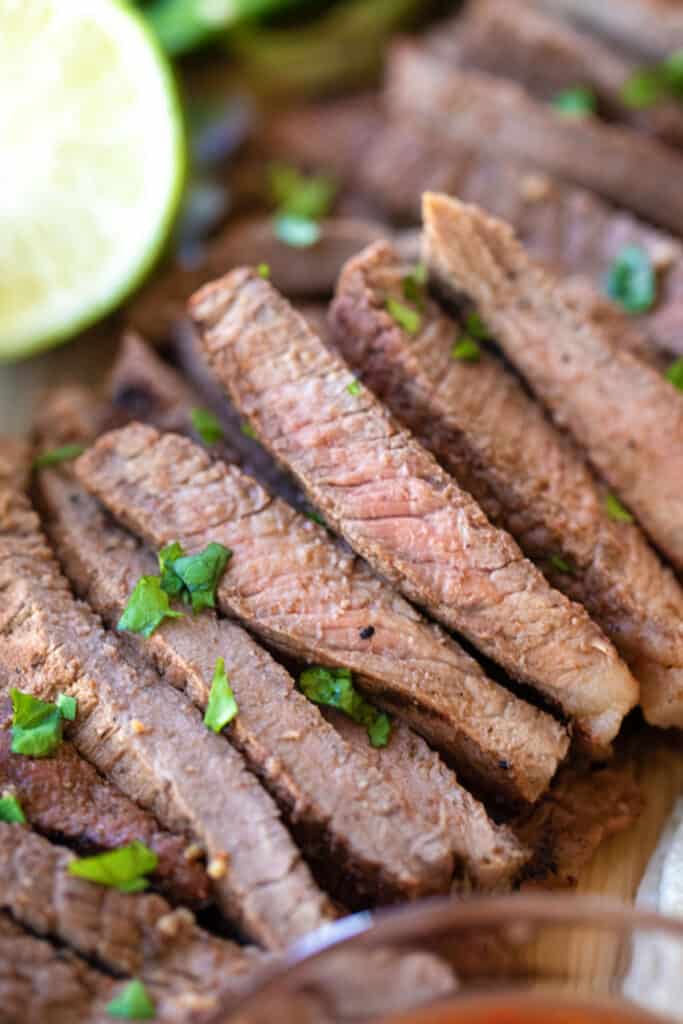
point(64, 797)
point(546, 56)
point(489, 434)
point(395, 505)
point(291, 584)
point(628, 418)
point(148, 739)
point(500, 118)
point(651, 28)
point(380, 845)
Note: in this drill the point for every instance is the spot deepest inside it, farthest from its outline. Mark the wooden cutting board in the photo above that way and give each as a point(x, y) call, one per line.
point(619, 864)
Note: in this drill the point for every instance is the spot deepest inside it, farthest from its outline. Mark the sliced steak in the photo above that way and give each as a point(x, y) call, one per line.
point(149, 739)
point(651, 28)
point(485, 430)
point(308, 596)
point(627, 416)
point(500, 118)
point(565, 227)
point(395, 505)
point(546, 56)
point(64, 797)
point(43, 985)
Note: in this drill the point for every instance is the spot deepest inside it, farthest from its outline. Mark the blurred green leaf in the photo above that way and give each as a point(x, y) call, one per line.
point(182, 25)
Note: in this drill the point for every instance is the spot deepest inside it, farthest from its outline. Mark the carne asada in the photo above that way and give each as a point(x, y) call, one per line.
point(636, 172)
point(315, 598)
point(485, 430)
point(64, 797)
point(628, 417)
point(148, 738)
point(652, 28)
point(355, 822)
point(392, 502)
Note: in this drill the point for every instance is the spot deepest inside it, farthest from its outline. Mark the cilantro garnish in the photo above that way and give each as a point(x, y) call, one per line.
point(476, 328)
point(648, 86)
point(147, 607)
point(675, 374)
point(407, 318)
point(248, 431)
point(207, 425)
point(631, 280)
point(616, 511)
point(308, 196)
point(123, 869)
point(10, 810)
point(562, 565)
point(56, 455)
point(299, 232)
point(36, 725)
point(334, 688)
point(222, 706)
point(315, 516)
point(414, 284)
point(353, 387)
point(198, 574)
point(575, 102)
point(132, 1003)
point(263, 270)
point(67, 706)
point(466, 349)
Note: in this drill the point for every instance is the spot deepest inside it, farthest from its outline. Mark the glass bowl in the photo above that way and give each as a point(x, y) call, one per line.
point(368, 967)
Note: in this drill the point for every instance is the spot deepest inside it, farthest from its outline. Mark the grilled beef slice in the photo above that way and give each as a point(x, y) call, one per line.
point(395, 505)
point(290, 583)
point(499, 117)
point(651, 28)
point(485, 430)
point(43, 985)
point(63, 796)
point(628, 418)
point(148, 739)
point(546, 56)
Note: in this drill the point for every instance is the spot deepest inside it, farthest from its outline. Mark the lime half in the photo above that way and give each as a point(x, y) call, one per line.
point(92, 164)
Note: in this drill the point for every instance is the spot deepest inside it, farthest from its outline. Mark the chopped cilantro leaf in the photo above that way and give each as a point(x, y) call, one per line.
point(147, 607)
point(263, 270)
point(10, 810)
point(200, 574)
point(316, 517)
point(353, 387)
point(466, 349)
point(132, 1003)
point(414, 284)
point(672, 70)
point(575, 102)
point(407, 318)
point(476, 328)
point(207, 425)
point(562, 565)
point(67, 706)
point(307, 196)
point(249, 431)
point(123, 869)
point(643, 89)
point(57, 455)
point(222, 706)
point(616, 511)
point(299, 232)
point(631, 280)
point(171, 583)
point(675, 373)
point(334, 688)
point(36, 725)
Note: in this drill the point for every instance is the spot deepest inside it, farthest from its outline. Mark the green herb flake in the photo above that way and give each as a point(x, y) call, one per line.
point(476, 328)
point(631, 280)
point(353, 387)
point(222, 706)
point(10, 810)
point(675, 374)
point(316, 517)
point(263, 270)
point(616, 511)
point(414, 284)
point(576, 102)
point(68, 706)
point(672, 70)
point(407, 318)
point(122, 869)
point(207, 425)
point(643, 89)
point(36, 725)
point(56, 455)
point(562, 565)
point(333, 687)
point(466, 349)
point(306, 196)
point(200, 574)
point(132, 1003)
point(147, 607)
point(171, 583)
point(249, 431)
point(299, 232)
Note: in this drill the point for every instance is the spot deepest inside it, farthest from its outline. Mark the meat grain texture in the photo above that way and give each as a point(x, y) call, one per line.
point(394, 504)
point(495, 440)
